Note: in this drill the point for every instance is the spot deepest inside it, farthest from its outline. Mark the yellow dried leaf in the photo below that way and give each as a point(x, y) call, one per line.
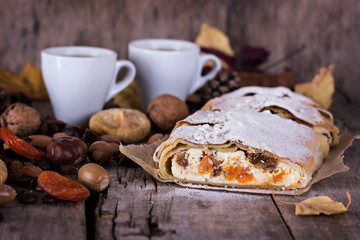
point(32, 76)
point(10, 81)
point(30, 82)
point(127, 98)
point(211, 37)
point(320, 89)
point(318, 205)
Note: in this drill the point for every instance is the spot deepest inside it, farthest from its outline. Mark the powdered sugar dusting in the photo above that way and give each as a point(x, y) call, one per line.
point(257, 98)
point(267, 132)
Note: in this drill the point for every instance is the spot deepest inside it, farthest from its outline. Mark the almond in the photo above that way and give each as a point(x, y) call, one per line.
point(39, 141)
point(32, 171)
point(16, 168)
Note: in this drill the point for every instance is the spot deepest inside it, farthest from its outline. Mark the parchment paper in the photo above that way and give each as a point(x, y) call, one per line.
point(333, 163)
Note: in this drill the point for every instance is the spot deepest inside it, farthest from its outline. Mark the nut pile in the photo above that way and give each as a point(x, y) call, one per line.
point(41, 161)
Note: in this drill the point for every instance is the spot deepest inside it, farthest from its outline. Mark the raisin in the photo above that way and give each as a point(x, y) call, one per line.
point(181, 160)
point(262, 161)
point(216, 171)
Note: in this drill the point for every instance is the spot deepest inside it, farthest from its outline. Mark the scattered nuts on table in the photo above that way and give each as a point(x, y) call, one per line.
point(66, 150)
point(16, 168)
point(115, 148)
point(94, 177)
point(31, 171)
point(21, 119)
point(100, 152)
point(3, 172)
point(154, 138)
point(60, 134)
point(7, 194)
point(129, 124)
point(110, 138)
point(165, 110)
point(40, 141)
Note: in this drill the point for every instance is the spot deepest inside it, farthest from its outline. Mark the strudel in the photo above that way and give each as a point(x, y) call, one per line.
point(254, 137)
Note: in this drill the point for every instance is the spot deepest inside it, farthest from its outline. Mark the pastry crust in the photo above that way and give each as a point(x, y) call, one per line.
point(281, 101)
point(238, 143)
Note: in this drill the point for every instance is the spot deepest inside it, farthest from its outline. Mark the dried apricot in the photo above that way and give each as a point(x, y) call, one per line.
point(62, 187)
point(19, 146)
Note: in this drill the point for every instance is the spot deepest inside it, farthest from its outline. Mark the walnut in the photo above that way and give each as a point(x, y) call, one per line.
point(129, 124)
point(165, 110)
point(20, 118)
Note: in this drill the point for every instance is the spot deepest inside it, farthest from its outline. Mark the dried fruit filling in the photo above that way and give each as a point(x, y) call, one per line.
point(234, 166)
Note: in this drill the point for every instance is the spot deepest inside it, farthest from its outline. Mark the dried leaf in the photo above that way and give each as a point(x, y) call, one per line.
point(253, 57)
point(11, 82)
point(211, 37)
point(318, 205)
point(30, 82)
point(32, 76)
point(127, 98)
point(320, 89)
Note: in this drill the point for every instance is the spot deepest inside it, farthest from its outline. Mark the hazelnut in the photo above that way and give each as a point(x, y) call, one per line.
point(100, 152)
point(94, 177)
point(21, 119)
point(7, 194)
point(154, 138)
point(165, 110)
point(65, 150)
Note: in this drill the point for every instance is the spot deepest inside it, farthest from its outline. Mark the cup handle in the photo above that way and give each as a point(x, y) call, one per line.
point(117, 87)
point(201, 80)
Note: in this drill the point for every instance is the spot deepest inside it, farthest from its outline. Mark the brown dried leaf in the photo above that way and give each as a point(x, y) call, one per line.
point(320, 89)
point(213, 38)
point(318, 205)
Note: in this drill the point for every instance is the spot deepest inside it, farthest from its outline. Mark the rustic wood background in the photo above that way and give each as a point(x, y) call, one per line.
point(330, 29)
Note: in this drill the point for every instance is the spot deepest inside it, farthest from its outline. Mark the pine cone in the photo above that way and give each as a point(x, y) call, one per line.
point(224, 81)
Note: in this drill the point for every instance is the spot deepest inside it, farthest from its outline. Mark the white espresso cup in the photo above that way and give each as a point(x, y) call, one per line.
point(167, 66)
point(80, 79)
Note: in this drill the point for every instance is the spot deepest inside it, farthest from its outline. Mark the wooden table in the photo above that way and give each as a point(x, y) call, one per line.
point(136, 206)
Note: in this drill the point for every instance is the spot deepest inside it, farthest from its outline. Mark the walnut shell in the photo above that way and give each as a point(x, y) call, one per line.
point(165, 110)
point(129, 124)
point(21, 119)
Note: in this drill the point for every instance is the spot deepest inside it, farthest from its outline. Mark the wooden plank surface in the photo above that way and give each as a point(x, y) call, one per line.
point(138, 207)
point(62, 220)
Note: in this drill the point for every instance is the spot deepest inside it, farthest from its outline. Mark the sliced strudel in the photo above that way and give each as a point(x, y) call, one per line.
point(236, 143)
